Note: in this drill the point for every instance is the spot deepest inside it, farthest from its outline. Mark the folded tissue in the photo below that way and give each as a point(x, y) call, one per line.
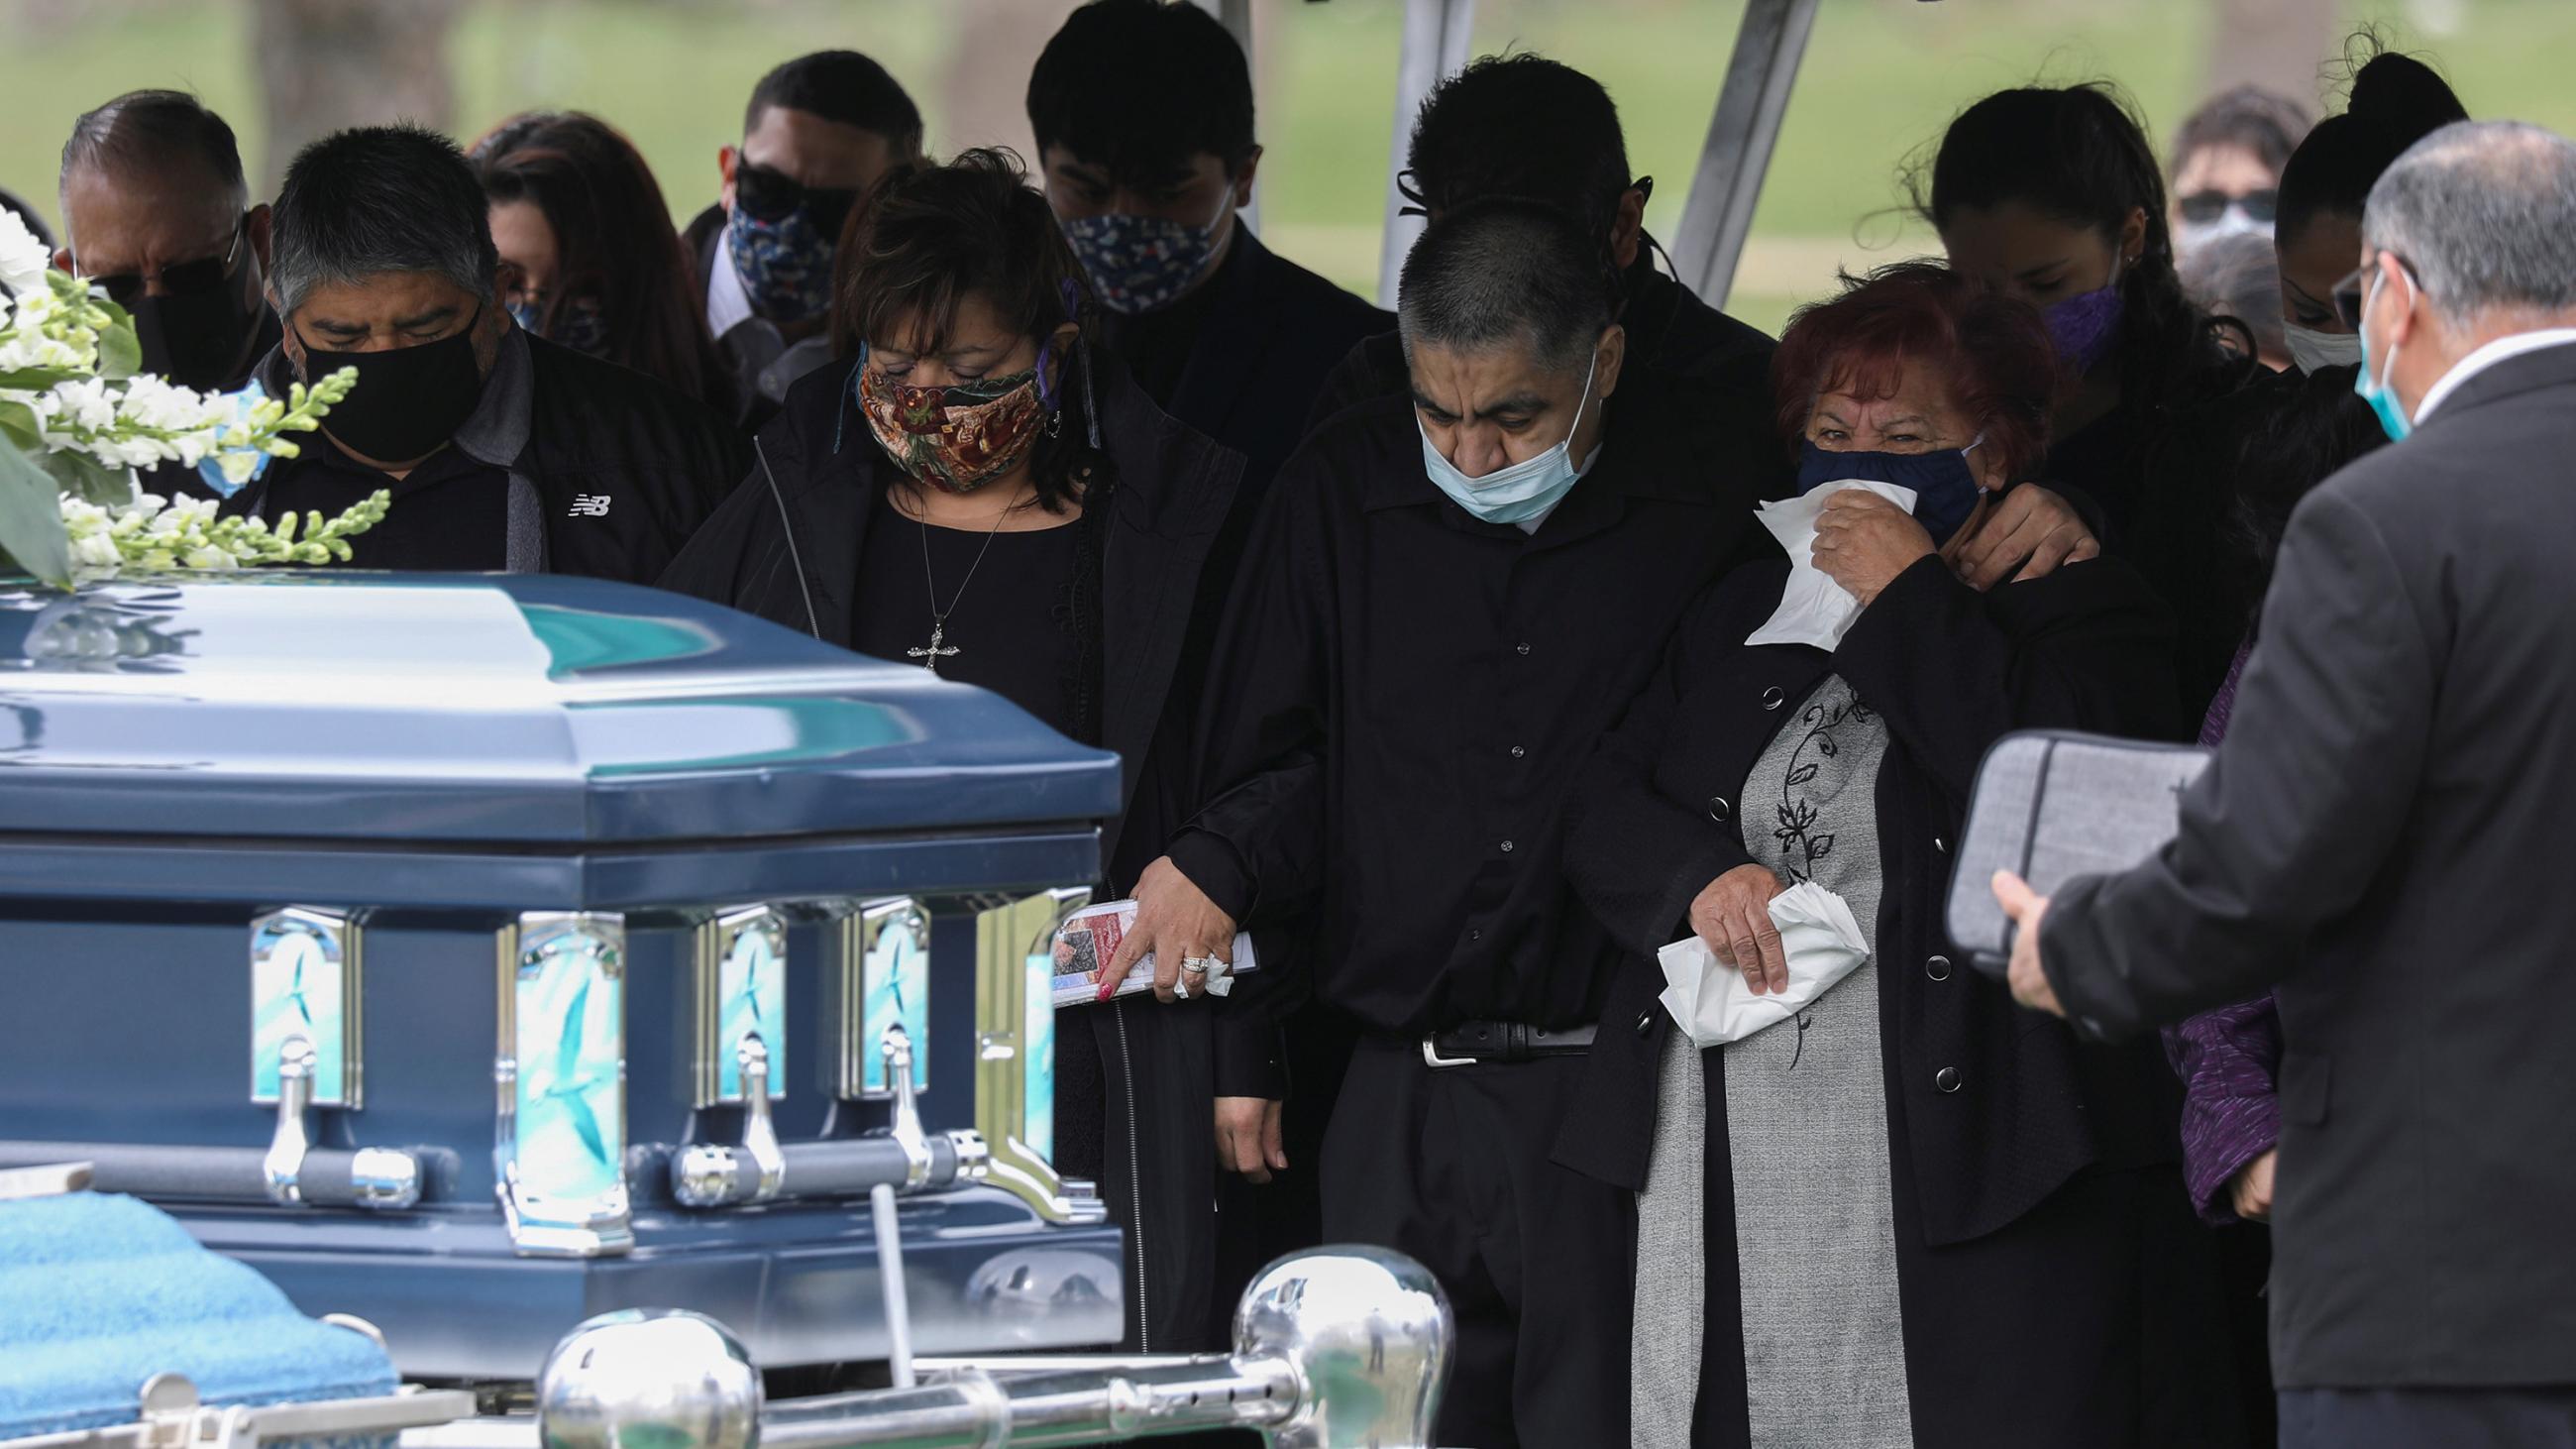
point(1814, 610)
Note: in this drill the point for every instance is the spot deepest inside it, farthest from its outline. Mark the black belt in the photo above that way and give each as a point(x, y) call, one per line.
point(1472, 1043)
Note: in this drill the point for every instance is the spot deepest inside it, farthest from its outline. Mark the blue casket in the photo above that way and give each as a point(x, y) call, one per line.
point(479, 954)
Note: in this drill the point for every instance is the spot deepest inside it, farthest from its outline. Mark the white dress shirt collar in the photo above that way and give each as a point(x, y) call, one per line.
point(728, 305)
point(2488, 356)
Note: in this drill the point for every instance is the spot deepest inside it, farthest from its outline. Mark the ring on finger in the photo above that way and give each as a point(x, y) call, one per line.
point(1198, 965)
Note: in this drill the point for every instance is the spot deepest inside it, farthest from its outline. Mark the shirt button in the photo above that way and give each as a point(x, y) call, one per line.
point(1518, 752)
point(1947, 1079)
point(1507, 847)
point(1522, 647)
point(1719, 810)
point(1474, 934)
point(1938, 968)
point(1940, 845)
point(1646, 1022)
point(1772, 698)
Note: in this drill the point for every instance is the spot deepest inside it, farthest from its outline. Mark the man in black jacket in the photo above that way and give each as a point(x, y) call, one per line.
point(1449, 598)
point(156, 211)
point(2381, 840)
point(818, 133)
point(1526, 126)
point(1143, 115)
point(502, 451)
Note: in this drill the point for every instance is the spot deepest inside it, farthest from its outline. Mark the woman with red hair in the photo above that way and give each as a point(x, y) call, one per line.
point(1884, 1207)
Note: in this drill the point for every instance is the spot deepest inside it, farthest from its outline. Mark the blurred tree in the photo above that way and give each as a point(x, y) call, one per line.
point(2280, 45)
point(327, 64)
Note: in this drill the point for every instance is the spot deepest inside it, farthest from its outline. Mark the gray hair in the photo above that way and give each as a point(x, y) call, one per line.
point(373, 201)
point(2485, 214)
point(1507, 271)
point(150, 128)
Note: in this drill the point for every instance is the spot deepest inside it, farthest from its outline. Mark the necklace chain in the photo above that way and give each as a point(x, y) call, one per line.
point(933, 652)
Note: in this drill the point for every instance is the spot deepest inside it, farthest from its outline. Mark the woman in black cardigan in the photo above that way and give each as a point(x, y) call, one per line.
point(1912, 1213)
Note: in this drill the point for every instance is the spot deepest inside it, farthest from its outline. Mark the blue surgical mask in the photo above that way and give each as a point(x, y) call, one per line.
point(2375, 390)
point(1945, 486)
point(1522, 491)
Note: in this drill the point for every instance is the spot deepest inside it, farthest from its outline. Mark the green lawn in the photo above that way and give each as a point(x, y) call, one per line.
point(1880, 79)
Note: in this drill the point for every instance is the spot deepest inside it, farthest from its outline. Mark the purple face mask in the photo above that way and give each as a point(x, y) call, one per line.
point(2085, 325)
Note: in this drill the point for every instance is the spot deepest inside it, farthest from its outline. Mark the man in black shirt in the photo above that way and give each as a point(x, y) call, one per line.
point(1450, 597)
point(819, 132)
point(156, 211)
point(1526, 126)
point(502, 451)
point(1143, 115)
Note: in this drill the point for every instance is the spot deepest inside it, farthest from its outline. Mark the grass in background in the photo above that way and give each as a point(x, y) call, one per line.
point(1881, 79)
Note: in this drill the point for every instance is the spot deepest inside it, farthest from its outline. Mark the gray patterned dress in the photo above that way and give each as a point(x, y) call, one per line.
point(1806, 1119)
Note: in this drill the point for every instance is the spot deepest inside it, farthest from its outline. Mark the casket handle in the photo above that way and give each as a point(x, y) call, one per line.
point(284, 1163)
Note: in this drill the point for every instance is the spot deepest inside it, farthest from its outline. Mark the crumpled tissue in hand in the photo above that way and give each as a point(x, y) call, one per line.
point(1712, 1002)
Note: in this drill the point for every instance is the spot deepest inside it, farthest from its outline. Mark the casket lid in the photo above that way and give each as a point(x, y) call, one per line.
point(529, 710)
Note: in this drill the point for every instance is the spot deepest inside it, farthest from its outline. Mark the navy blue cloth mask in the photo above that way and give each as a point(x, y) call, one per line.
point(1945, 487)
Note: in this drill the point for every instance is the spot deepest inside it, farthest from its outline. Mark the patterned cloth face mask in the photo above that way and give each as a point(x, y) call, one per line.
point(959, 437)
point(579, 324)
point(1143, 263)
point(785, 265)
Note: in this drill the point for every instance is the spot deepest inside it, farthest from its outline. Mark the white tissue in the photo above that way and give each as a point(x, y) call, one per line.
point(1713, 1004)
point(1814, 610)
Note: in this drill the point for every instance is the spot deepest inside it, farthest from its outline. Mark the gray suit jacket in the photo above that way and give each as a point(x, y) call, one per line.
point(2385, 838)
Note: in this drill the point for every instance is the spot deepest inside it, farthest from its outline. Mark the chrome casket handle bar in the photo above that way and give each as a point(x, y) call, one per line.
point(1335, 1349)
point(381, 1178)
point(706, 1175)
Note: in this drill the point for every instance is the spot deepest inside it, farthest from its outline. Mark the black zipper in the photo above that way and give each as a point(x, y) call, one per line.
point(1135, 1183)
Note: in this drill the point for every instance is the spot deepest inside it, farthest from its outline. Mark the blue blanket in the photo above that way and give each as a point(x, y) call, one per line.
point(100, 1292)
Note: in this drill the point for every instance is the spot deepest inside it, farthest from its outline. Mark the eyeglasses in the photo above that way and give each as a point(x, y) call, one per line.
point(179, 279)
point(2203, 207)
point(2353, 293)
point(770, 196)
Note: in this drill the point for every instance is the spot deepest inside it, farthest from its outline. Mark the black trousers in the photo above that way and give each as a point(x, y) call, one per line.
point(2421, 1418)
point(1451, 1166)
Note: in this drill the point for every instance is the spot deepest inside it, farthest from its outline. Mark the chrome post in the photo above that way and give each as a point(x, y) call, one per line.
point(905, 1121)
point(759, 1131)
point(286, 1148)
point(1344, 1348)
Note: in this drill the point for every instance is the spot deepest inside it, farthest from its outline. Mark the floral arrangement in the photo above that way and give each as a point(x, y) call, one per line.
point(77, 419)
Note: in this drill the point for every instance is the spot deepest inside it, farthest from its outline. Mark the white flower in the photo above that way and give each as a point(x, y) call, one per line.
point(23, 259)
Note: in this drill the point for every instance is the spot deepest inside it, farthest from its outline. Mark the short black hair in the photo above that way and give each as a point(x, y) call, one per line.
point(374, 200)
point(1526, 126)
point(149, 126)
point(1507, 270)
point(843, 86)
point(1141, 85)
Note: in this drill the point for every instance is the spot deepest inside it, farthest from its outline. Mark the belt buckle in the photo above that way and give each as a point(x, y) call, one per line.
point(1431, 1056)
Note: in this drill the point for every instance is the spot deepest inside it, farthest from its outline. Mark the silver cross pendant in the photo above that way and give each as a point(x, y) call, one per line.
point(931, 654)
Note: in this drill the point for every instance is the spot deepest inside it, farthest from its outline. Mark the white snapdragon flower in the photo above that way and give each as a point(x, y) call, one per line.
point(23, 259)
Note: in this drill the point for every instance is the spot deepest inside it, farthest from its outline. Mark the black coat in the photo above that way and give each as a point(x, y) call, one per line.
point(1271, 334)
point(1176, 491)
point(2382, 839)
point(2049, 1264)
point(1654, 819)
point(599, 429)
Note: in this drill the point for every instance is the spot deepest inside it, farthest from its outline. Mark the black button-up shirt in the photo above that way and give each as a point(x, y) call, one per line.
point(1402, 693)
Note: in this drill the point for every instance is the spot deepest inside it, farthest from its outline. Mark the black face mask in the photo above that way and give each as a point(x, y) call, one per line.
point(197, 339)
point(409, 400)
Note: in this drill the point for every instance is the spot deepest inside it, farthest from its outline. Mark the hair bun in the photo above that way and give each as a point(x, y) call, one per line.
point(2402, 99)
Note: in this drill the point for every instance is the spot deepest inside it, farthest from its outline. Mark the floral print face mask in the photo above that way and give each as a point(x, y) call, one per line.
point(956, 438)
point(785, 265)
point(1142, 263)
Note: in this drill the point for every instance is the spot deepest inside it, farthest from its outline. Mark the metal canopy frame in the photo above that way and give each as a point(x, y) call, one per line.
point(1741, 132)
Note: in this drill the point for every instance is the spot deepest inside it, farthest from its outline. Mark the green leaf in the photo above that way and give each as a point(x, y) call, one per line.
point(31, 520)
point(119, 354)
point(37, 379)
point(18, 425)
point(86, 478)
